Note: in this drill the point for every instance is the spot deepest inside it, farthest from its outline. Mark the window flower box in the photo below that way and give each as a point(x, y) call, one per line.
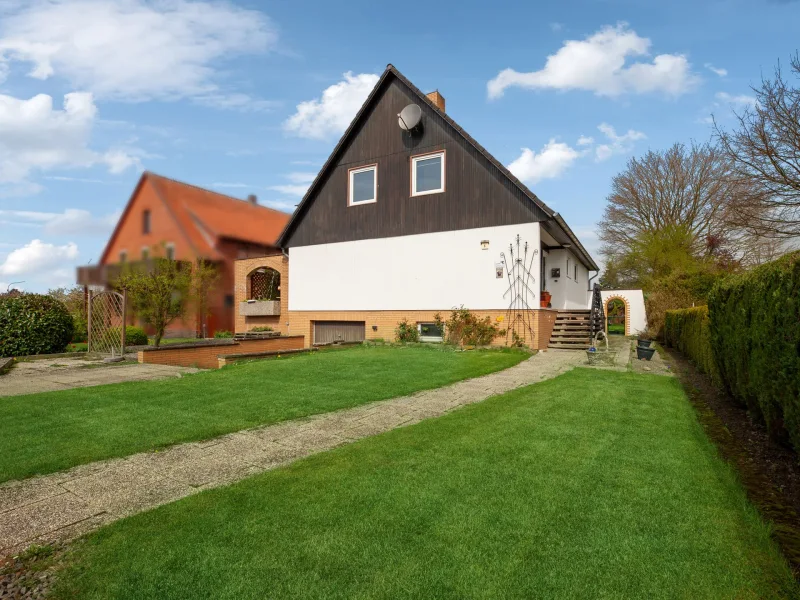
point(260, 308)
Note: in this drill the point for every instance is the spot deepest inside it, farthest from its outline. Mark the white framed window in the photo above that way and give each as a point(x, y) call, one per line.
point(169, 247)
point(567, 268)
point(427, 174)
point(430, 332)
point(362, 185)
point(575, 272)
point(123, 256)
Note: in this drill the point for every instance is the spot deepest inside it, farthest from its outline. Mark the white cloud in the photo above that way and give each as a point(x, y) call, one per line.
point(288, 206)
point(304, 177)
point(598, 64)
point(740, 101)
point(240, 102)
point(132, 49)
point(551, 161)
point(37, 257)
point(617, 144)
point(334, 110)
point(717, 71)
point(290, 190)
point(585, 140)
point(37, 137)
point(71, 221)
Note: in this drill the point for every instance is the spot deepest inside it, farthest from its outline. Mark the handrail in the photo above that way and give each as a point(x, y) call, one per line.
point(597, 316)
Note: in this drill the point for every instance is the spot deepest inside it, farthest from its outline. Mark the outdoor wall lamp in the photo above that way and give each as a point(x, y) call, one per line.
point(484, 244)
point(374, 328)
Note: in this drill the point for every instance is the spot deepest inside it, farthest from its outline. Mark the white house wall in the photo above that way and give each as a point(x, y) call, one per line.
point(434, 271)
point(635, 301)
point(567, 292)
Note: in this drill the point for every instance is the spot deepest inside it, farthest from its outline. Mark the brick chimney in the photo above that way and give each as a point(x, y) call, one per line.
point(252, 199)
point(437, 99)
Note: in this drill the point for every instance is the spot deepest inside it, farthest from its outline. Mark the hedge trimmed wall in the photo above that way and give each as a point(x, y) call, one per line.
point(755, 333)
point(687, 329)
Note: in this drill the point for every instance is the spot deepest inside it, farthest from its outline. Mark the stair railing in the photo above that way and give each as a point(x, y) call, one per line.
point(597, 316)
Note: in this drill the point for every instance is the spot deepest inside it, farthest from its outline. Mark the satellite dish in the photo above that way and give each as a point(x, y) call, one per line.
point(409, 117)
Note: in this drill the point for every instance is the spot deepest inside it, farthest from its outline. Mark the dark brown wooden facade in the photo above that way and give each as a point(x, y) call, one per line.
point(478, 192)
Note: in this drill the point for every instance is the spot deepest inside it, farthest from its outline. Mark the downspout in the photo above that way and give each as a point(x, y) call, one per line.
point(286, 285)
point(589, 288)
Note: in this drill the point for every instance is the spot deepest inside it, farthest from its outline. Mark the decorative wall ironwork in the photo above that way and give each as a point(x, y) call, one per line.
point(265, 284)
point(597, 317)
point(106, 322)
point(520, 292)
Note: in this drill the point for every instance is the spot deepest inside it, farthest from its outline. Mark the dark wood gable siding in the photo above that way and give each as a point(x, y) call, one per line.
point(476, 193)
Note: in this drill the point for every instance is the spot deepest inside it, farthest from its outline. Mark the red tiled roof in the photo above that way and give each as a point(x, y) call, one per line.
point(206, 216)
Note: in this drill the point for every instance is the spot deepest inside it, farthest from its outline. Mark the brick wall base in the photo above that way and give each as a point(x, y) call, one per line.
point(206, 357)
point(382, 324)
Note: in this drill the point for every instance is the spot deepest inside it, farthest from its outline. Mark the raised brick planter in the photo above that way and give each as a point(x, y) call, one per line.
point(205, 355)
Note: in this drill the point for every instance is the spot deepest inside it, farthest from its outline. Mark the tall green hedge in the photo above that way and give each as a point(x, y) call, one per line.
point(688, 330)
point(33, 324)
point(755, 333)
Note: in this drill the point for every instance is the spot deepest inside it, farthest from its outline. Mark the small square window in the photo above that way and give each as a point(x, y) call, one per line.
point(170, 250)
point(363, 185)
point(427, 174)
point(430, 332)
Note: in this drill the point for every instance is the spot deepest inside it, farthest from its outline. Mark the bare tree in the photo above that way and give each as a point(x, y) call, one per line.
point(765, 152)
point(669, 208)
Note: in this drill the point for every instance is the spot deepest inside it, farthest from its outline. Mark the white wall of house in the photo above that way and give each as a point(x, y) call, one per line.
point(567, 291)
point(635, 300)
point(433, 271)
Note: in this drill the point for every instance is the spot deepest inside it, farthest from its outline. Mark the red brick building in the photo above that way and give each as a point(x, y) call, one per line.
point(191, 223)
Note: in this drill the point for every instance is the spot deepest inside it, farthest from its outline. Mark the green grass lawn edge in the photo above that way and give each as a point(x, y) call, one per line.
point(594, 484)
point(53, 431)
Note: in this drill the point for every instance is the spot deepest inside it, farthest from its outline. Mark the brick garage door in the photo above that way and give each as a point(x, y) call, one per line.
point(326, 332)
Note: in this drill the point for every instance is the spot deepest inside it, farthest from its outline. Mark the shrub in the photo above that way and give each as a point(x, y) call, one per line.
point(755, 333)
point(33, 324)
point(135, 336)
point(465, 329)
point(221, 334)
point(261, 328)
point(406, 332)
point(688, 330)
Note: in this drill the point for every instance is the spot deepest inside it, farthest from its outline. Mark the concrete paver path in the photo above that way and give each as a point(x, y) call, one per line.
point(63, 373)
point(65, 505)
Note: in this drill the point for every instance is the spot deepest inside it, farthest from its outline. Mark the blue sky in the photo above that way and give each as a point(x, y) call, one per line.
point(250, 97)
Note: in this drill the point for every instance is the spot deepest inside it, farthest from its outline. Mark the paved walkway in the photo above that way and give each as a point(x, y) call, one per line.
point(65, 505)
point(53, 374)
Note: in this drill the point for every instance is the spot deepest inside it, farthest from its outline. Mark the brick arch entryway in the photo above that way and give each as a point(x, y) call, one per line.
point(627, 304)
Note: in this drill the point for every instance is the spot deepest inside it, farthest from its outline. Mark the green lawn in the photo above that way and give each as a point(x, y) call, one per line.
point(42, 433)
point(592, 485)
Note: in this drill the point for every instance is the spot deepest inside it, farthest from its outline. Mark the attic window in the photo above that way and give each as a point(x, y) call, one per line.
point(146, 221)
point(427, 174)
point(363, 185)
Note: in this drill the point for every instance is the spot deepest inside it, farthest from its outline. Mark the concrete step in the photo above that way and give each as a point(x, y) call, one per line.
point(564, 346)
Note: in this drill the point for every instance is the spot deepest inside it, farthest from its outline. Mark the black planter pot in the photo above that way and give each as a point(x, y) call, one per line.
point(644, 353)
point(645, 343)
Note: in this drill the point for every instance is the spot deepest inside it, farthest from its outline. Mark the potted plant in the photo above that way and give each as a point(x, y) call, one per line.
point(645, 353)
point(544, 300)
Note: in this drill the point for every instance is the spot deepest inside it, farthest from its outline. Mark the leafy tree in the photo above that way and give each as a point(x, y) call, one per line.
point(74, 299)
point(159, 291)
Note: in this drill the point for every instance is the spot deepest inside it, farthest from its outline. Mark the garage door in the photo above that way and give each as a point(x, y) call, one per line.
point(327, 332)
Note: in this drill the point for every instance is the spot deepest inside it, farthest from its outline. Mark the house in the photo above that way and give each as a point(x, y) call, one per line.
point(407, 219)
point(190, 223)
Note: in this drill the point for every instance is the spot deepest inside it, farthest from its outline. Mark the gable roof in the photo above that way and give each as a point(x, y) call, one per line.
point(391, 71)
point(204, 217)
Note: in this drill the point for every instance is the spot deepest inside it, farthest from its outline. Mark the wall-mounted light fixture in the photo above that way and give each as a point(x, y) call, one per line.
point(484, 244)
point(374, 328)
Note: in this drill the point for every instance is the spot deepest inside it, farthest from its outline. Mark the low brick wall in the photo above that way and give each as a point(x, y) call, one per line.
point(206, 356)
